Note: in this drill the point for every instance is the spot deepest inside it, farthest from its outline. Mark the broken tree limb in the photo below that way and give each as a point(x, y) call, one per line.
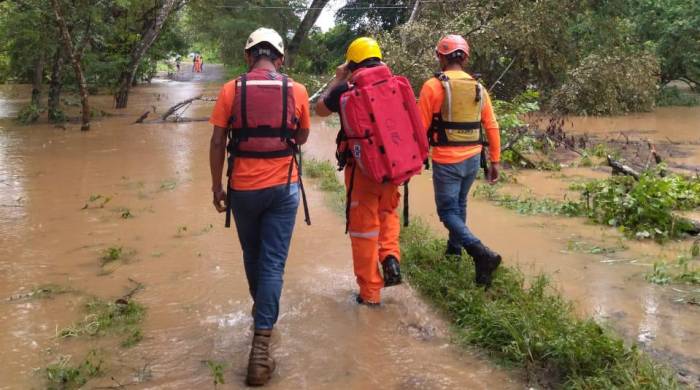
point(622, 169)
point(179, 105)
point(143, 116)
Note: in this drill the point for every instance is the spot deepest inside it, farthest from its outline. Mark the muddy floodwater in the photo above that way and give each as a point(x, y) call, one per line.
point(195, 290)
point(156, 179)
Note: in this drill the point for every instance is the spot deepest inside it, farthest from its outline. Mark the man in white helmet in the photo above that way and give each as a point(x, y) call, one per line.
point(265, 115)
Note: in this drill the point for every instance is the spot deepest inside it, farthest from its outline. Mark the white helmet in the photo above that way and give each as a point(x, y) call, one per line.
point(265, 35)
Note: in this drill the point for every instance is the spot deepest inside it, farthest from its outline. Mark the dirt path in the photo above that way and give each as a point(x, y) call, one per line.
point(195, 290)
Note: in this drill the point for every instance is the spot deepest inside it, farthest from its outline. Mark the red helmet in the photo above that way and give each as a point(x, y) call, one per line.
point(452, 43)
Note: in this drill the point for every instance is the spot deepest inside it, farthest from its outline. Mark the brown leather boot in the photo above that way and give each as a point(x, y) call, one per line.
point(260, 364)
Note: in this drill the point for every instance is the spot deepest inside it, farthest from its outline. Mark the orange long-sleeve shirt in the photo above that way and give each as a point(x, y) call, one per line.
point(432, 95)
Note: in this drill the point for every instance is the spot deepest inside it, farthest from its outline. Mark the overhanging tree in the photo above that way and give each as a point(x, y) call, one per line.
point(152, 28)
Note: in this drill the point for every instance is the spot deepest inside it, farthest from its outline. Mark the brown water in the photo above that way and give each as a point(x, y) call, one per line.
point(195, 289)
point(610, 287)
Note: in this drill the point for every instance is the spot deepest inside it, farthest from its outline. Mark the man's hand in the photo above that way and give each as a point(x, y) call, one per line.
point(342, 72)
point(220, 200)
point(494, 168)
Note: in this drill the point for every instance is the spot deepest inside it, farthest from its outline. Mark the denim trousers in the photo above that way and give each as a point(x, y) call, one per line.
point(452, 183)
point(265, 220)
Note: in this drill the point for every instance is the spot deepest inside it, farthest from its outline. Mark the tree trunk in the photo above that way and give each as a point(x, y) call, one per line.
point(75, 61)
point(149, 35)
point(55, 86)
point(309, 19)
point(37, 78)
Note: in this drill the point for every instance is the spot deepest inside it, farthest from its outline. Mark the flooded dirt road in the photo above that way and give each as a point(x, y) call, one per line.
point(595, 266)
point(156, 177)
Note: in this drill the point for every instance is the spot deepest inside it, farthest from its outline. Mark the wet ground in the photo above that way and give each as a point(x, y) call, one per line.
point(195, 290)
point(595, 266)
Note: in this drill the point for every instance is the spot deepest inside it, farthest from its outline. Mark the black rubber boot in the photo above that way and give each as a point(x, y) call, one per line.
point(392, 271)
point(361, 301)
point(453, 250)
point(485, 261)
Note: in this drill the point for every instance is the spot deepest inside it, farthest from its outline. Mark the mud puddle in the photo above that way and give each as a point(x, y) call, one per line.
point(156, 180)
point(595, 266)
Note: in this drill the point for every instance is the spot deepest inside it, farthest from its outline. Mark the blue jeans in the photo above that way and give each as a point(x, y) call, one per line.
point(452, 183)
point(265, 221)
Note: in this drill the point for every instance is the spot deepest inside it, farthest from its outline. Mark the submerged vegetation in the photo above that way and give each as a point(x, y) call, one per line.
point(520, 322)
point(61, 375)
point(102, 317)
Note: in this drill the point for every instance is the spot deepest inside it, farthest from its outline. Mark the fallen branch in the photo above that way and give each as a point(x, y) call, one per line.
point(143, 116)
point(620, 168)
point(178, 106)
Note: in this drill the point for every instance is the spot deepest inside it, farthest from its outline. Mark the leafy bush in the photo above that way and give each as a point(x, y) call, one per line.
point(672, 96)
point(643, 208)
point(607, 84)
point(29, 114)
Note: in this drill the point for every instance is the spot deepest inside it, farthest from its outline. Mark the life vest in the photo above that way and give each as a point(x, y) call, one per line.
point(459, 121)
point(262, 123)
point(382, 127)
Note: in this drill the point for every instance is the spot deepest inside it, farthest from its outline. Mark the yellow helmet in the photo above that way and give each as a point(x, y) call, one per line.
point(361, 49)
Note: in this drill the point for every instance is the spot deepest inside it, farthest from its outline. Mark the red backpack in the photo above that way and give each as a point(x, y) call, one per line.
point(384, 131)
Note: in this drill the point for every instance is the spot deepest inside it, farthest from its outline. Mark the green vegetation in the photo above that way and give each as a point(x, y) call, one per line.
point(327, 179)
point(587, 247)
point(113, 253)
point(680, 271)
point(525, 323)
point(522, 323)
point(168, 185)
point(646, 208)
point(528, 205)
point(217, 371)
point(96, 201)
point(672, 96)
point(120, 317)
point(643, 208)
point(62, 376)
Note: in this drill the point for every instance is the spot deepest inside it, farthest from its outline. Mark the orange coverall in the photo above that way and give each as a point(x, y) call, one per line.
point(373, 228)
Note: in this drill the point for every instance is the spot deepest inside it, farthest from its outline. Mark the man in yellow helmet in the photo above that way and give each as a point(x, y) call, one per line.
point(373, 224)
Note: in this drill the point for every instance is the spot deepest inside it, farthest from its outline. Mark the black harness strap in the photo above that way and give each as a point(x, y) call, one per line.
point(348, 199)
point(405, 203)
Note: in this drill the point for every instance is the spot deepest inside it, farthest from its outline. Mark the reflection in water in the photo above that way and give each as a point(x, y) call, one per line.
point(650, 320)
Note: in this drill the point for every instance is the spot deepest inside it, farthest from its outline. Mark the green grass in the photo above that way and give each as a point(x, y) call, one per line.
point(103, 317)
point(61, 375)
point(525, 323)
point(522, 323)
point(326, 178)
point(672, 96)
point(216, 369)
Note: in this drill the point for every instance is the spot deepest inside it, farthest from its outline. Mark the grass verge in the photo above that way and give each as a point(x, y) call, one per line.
point(63, 375)
point(525, 324)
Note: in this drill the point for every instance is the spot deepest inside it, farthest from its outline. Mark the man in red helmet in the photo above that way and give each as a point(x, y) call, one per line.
point(456, 109)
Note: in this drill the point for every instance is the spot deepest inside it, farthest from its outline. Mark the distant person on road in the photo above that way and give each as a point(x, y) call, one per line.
point(455, 108)
point(265, 115)
point(201, 64)
point(194, 63)
point(178, 59)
